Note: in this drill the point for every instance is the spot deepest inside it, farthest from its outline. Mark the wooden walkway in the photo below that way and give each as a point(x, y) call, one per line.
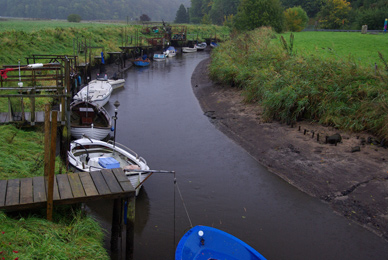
point(29, 193)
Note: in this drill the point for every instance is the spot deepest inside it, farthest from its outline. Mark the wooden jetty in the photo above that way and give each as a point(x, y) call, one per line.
point(30, 193)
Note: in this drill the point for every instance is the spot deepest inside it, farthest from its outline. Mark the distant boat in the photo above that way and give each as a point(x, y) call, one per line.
point(142, 61)
point(204, 243)
point(89, 119)
point(159, 57)
point(98, 91)
point(170, 52)
point(201, 46)
point(213, 44)
point(189, 49)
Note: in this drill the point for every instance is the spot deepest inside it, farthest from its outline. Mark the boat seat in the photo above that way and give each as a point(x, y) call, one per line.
point(86, 120)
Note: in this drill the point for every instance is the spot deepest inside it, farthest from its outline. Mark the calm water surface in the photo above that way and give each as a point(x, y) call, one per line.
point(221, 184)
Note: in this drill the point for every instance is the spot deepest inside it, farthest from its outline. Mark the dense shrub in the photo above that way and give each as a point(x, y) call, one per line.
point(74, 18)
point(296, 19)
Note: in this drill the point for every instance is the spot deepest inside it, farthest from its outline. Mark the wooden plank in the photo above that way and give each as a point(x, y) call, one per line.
point(3, 192)
point(76, 185)
point(26, 193)
point(64, 187)
point(87, 183)
point(123, 180)
point(111, 180)
point(100, 183)
point(13, 188)
point(39, 189)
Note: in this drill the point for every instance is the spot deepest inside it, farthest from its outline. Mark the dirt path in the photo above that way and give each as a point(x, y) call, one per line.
point(351, 176)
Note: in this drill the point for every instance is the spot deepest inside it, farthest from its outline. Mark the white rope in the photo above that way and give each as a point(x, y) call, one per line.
point(184, 205)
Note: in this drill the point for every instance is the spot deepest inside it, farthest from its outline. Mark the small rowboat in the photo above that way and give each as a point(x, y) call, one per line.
point(204, 243)
point(159, 57)
point(142, 62)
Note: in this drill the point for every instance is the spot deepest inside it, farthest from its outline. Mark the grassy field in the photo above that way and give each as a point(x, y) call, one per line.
point(352, 46)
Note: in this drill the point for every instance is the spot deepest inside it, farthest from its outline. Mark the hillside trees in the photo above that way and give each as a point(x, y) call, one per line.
point(182, 16)
point(312, 7)
point(257, 13)
point(221, 9)
point(334, 14)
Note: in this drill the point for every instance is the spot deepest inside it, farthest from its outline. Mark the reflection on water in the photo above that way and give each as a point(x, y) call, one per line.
point(222, 186)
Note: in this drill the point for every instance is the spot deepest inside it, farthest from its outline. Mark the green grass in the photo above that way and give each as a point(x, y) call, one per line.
point(70, 236)
point(354, 46)
point(332, 90)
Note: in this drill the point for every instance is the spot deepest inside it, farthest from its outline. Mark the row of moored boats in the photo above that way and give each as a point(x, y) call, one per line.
point(91, 124)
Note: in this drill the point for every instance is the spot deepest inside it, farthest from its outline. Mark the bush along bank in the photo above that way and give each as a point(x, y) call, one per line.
point(291, 87)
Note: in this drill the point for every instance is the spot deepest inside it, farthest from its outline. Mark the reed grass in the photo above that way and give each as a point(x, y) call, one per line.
point(336, 91)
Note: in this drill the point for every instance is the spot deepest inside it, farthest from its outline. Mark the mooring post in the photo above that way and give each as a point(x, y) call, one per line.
point(116, 229)
point(130, 228)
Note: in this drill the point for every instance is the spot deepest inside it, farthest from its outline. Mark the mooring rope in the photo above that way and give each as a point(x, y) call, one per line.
point(183, 202)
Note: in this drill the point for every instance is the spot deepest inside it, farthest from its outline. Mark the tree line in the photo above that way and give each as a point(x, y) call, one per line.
point(292, 15)
point(91, 9)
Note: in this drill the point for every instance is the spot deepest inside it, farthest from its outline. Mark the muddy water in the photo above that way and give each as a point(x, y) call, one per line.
point(220, 184)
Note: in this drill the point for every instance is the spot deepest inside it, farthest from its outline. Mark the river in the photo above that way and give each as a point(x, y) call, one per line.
point(218, 183)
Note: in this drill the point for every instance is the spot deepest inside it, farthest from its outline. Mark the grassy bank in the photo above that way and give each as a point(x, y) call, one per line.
point(70, 236)
point(332, 90)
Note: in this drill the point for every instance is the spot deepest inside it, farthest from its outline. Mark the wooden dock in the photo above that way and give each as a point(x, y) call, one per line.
point(30, 193)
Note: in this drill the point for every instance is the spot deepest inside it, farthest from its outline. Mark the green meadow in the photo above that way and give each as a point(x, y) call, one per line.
point(352, 46)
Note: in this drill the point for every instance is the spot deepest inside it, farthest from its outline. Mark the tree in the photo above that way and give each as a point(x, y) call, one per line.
point(296, 19)
point(221, 9)
point(312, 7)
point(144, 18)
point(182, 16)
point(252, 14)
point(74, 18)
point(334, 14)
point(196, 11)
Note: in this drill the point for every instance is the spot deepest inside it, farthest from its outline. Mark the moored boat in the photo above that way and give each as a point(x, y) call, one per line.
point(170, 52)
point(204, 243)
point(159, 57)
point(189, 49)
point(142, 61)
point(88, 154)
point(201, 46)
point(87, 118)
point(98, 91)
point(114, 82)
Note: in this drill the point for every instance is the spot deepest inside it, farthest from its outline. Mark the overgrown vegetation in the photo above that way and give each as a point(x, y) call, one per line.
point(332, 91)
point(29, 236)
point(70, 236)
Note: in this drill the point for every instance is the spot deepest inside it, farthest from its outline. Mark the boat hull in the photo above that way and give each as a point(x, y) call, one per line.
point(188, 49)
point(203, 243)
point(89, 119)
point(98, 91)
point(87, 154)
point(142, 63)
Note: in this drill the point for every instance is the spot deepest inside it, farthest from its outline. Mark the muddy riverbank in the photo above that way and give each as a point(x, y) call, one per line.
point(352, 176)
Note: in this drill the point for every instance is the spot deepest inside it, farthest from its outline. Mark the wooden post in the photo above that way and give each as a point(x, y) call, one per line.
point(116, 229)
point(46, 140)
point(32, 119)
point(50, 180)
point(130, 228)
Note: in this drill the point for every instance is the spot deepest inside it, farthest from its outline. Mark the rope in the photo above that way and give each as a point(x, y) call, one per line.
point(184, 205)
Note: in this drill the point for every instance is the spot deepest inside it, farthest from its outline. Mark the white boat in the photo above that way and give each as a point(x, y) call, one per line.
point(89, 119)
point(170, 52)
point(98, 91)
point(201, 46)
point(159, 57)
point(189, 49)
point(87, 155)
point(115, 83)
